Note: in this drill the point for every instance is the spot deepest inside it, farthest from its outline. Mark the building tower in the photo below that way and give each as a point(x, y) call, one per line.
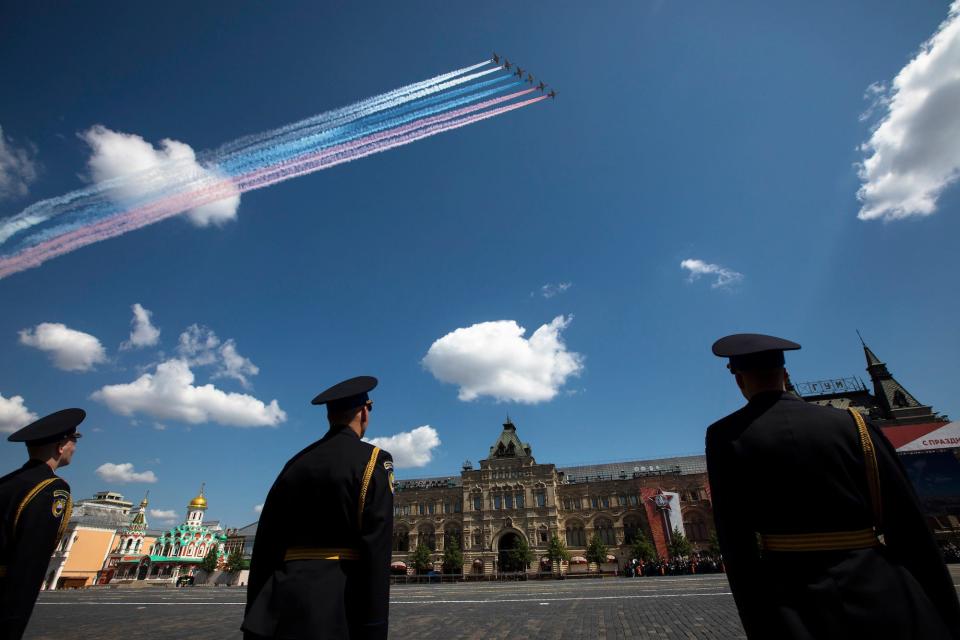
point(132, 535)
point(895, 402)
point(196, 508)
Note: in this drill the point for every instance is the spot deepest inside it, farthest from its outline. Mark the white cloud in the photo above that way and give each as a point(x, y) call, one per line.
point(142, 332)
point(550, 289)
point(913, 153)
point(164, 515)
point(131, 168)
point(725, 277)
point(69, 349)
point(169, 393)
point(14, 414)
point(258, 508)
point(235, 366)
point(17, 168)
point(124, 472)
point(494, 359)
point(410, 448)
point(200, 346)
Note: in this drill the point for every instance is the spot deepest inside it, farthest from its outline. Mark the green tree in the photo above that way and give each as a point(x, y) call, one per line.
point(518, 558)
point(642, 549)
point(420, 558)
point(209, 562)
point(236, 562)
point(557, 552)
point(713, 545)
point(679, 545)
point(452, 556)
point(596, 550)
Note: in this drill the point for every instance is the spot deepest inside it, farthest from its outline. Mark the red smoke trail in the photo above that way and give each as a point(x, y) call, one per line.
point(178, 203)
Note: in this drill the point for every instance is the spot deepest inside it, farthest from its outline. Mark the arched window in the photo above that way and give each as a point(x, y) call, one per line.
point(632, 527)
point(695, 527)
point(477, 539)
point(126, 549)
point(401, 540)
point(428, 537)
point(575, 535)
point(200, 551)
point(604, 530)
point(452, 532)
point(543, 534)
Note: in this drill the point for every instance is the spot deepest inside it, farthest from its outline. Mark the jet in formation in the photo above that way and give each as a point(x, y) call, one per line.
point(541, 86)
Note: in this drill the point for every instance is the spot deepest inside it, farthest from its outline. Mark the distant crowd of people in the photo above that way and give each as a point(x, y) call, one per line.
point(675, 567)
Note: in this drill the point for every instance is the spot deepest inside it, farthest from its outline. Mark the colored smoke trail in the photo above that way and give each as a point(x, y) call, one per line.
point(254, 145)
point(155, 212)
point(443, 103)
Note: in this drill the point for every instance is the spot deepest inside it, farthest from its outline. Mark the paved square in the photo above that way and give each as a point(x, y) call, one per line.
point(667, 607)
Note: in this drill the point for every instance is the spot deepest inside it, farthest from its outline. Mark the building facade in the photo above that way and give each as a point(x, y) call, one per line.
point(172, 553)
point(89, 536)
point(512, 498)
point(927, 442)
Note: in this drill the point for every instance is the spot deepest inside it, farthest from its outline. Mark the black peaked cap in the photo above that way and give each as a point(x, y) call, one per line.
point(753, 351)
point(50, 428)
point(745, 344)
point(347, 394)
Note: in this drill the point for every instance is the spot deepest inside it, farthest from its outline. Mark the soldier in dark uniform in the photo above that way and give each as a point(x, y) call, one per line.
point(35, 507)
point(321, 557)
point(821, 532)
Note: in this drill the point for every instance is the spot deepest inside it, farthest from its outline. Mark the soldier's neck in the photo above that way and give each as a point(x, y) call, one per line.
point(53, 463)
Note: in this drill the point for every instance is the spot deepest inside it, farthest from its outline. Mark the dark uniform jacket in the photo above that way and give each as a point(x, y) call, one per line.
point(35, 508)
point(315, 504)
point(782, 466)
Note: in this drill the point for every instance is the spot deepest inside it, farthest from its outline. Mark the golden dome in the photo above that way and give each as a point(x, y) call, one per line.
point(199, 502)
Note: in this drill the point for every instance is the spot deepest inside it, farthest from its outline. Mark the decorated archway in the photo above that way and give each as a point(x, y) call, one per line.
point(509, 558)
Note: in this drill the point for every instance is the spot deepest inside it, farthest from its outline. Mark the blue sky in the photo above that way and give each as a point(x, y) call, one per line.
point(682, 131)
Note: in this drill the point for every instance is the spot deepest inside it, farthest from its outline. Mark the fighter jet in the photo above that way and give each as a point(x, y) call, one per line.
point(496, 58)
point(519, 73)
point(541, 86)
point(552, 94)
point(506, 64)
point(530, 78)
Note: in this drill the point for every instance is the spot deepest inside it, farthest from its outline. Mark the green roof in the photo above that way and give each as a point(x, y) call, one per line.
point(164, 559)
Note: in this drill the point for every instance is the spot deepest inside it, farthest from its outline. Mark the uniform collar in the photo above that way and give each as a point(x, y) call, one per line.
point(32, 464)
point(338, 429)
point(769, 397)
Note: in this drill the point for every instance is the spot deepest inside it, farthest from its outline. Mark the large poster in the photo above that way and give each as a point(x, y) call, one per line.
point(936, 477)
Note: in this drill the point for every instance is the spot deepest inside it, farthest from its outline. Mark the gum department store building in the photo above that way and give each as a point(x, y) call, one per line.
point(512, 496)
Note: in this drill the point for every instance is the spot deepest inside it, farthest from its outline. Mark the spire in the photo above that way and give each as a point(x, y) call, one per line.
point(144, 502)
point(894, 399)
point(139, 522)
point(508, 445)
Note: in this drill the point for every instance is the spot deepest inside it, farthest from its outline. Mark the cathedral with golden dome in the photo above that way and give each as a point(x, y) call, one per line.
point(178, 551)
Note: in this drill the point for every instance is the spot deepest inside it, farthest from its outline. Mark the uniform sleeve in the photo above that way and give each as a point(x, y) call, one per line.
point(37, 532)
point(738, 540)
point(376, 535)
point(907, 534)
point(268, 545)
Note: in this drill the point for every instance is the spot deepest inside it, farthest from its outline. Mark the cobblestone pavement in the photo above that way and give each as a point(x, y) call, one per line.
point(668, 607)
